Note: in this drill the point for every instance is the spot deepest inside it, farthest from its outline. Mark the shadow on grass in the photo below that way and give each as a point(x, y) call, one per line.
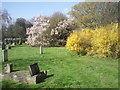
point(19, 46)
point(50, 75)
point(15, 70)
point(43, 79)
point(24, 61)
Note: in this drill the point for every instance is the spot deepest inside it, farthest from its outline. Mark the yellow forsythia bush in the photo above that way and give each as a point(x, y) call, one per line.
point(79, 41)
point(101, 42)
point(105, 41)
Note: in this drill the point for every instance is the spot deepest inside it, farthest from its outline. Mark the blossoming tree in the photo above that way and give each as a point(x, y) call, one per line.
point(40, 24)
point(63, 30)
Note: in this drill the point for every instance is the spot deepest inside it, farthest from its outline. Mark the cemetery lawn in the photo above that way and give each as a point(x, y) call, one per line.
point(67, 69)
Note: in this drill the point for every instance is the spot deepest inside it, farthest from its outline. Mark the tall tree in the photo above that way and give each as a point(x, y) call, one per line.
point(18, 29)
point(4, 22)
point(95, 14)
point(40, 24)
point(54, 20)
point(5, 18)
point(58, 31)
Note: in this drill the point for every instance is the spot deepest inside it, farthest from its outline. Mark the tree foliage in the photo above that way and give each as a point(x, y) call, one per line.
point(54, 20)
point(40, 24)
point(58, 31)
point(18, 29)
point(95, 14)
point(63, 30)
point(50, 31)
point(5, 18)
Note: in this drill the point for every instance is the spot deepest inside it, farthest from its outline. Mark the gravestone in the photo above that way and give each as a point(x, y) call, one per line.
point(20, 42)
point(3, 45)
point(0, 45)
point(34, 69)
point(45, 72)
point(8, 47)
point(1, 39)
point(35, 73)
point(13, 43)
point(9, 68)
point(37, 78)
point(41, 50)
point(5, 55)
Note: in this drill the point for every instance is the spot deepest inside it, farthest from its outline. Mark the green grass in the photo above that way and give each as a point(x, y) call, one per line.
point(68, 69)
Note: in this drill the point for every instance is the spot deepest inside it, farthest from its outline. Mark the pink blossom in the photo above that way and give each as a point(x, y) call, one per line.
point(40, 24)
point(62, 26)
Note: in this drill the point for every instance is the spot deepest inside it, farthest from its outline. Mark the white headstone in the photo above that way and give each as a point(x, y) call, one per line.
point(13, 43)
point(41, 50)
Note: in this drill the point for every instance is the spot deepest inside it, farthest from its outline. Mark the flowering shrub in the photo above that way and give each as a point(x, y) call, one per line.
point(79, 41)
point(63, 30)
point(40, 24)
point(105, 41)
point(63, 26)
point(101, 42)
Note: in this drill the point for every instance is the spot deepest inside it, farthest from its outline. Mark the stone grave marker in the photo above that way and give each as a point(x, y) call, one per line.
point(5, 55)
point(9, 68)
point(13, 43)
point(34, 69)
point(20, 42)
point(8, 47)
point(41, 50)
point(45, 72)
point(3, 46)
point(0, 45)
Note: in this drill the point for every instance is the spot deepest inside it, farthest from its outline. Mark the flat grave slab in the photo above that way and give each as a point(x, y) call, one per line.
point(33, 76)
